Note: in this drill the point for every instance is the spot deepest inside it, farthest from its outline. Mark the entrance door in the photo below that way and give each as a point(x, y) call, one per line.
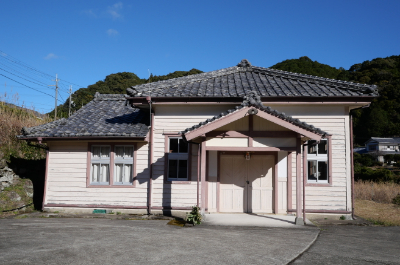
point(246, 185)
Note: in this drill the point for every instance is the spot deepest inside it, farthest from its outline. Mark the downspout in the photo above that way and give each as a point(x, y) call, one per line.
point(304, 183)
point(151, 140)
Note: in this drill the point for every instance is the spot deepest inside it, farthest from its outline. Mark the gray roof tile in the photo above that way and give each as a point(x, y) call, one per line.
point(240, 80)
point(105, 115)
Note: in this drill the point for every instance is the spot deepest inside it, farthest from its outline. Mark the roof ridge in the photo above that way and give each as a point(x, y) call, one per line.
point(245, 66)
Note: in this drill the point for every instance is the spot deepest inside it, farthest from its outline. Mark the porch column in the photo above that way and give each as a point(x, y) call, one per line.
point(299, 216)
point(203, 177)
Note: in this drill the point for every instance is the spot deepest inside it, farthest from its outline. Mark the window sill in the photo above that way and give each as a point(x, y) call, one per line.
point(178, 182)
point(318, 185)
point(110, 186)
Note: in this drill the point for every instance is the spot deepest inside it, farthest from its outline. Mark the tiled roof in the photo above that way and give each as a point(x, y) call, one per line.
point(252, 100)
point(106, 115)
point(239, 80)
point(393, 140)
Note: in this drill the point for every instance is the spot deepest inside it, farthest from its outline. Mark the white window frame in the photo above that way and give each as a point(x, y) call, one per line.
point(101, 161)
point(124, 160)
point(319, 158)
point(180, 157)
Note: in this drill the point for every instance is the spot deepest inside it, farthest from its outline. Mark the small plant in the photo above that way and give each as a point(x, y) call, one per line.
point(396, 199)
point(194, 217)
point(342, 217)
point(119, 213)
point(56, 211)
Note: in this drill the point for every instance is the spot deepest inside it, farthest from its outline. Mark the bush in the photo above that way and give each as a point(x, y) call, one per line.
point(378, 175)
point(364, 160)
point(194, 217)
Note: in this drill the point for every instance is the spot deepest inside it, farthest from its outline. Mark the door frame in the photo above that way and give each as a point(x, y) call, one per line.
point(274, 175)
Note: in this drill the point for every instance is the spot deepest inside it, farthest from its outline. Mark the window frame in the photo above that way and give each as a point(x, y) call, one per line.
point(168, 156)
point(319, 157)
point(112, 164)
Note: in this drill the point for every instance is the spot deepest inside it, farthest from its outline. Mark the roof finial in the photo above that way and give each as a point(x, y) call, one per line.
point(244, 63)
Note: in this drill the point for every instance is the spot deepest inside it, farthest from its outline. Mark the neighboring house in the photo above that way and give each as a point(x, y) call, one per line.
point(240, 139)
point(382, 146)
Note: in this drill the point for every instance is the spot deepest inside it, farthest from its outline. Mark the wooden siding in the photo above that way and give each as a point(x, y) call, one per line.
point(260, 124)
point(337, 196)
point(66, 180)
point(274, 142)
point(234, 142)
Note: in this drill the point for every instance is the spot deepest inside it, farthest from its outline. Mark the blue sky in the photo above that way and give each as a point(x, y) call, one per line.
point(84, 41)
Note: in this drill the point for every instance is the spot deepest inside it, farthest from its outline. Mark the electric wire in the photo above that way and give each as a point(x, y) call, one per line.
point(29, 86)
point(19, 62)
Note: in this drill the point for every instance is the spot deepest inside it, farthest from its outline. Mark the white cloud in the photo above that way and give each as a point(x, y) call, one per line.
point(90, 13)
point(114, 10)
point(112, 32)
point(51, 56)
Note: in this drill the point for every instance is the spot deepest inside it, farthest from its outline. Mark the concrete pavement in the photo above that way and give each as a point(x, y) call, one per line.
point(107, 241)
point(354, 245)
point(253, 220)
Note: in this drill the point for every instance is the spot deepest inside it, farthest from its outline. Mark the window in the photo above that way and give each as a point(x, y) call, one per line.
point(100, 173)
point(111, 165)
point(123, 161)
point(177, 159)
point(317, 161)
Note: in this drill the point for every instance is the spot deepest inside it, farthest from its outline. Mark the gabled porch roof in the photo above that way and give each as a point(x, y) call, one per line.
point(252, 105)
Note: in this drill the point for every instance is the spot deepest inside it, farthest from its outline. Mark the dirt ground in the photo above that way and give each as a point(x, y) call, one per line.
point(378, 213)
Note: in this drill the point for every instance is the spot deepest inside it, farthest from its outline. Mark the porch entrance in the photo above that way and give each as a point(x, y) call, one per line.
point(246, 185)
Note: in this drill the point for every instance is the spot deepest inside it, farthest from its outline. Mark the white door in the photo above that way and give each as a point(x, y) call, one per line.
point(260, 189)
point(233, 184)
point(246, 185)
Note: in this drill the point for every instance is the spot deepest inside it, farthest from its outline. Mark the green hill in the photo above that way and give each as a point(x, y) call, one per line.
point(382, 119)
point(112, 84)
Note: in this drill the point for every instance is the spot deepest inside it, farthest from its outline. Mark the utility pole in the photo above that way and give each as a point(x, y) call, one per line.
point(70, 92)
point(55, 107)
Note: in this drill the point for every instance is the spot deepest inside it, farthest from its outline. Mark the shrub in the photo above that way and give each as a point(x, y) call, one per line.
point(194, 217)
point(364, 160)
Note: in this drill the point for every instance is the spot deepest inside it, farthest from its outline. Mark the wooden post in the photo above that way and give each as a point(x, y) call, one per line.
point(203, 177)
point(299, 216)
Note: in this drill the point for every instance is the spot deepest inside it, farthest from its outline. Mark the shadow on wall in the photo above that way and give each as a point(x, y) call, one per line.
point(34, 170)
point(158, 172)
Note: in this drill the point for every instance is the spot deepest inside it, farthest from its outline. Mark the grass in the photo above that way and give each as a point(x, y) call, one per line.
point(386, 214)
point(12, 119)
point(374, 202)
point(377, 192)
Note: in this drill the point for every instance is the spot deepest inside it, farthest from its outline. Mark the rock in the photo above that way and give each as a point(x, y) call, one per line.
point(14, 196)
point(7, 177)
point(3, 163)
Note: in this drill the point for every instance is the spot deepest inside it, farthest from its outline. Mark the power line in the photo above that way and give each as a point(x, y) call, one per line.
point(20, 77)
point(28, 86)
point(19, 62)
